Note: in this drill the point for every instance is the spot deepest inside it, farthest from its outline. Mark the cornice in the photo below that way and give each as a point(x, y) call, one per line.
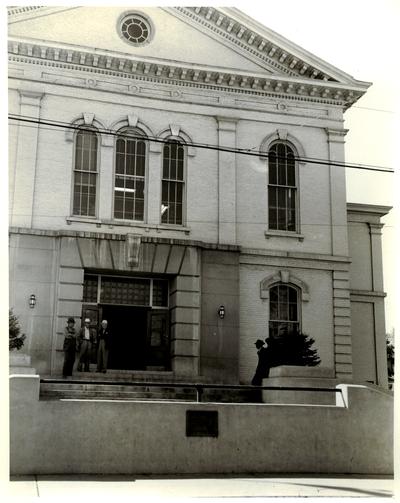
point(265, 47)
point(370, 209)
point(121, 66)
point(18, 14)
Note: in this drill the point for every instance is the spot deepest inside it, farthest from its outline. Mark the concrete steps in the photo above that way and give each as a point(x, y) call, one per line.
point(57, 391)
point(95, 386)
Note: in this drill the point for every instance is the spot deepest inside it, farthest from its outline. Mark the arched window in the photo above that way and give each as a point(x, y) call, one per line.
point(173, 183)
point(283, 310)
point(130, 176)
point(282, 190)
point(85, 174)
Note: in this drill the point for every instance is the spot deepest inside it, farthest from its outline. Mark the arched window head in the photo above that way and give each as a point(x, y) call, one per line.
point(284, 315)
point(173, 183)
point(130, 175)
point(85, 173)
point(282, 188)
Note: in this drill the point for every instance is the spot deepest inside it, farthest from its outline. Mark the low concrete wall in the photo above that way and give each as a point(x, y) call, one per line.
point(111, 437)
point(300, 377)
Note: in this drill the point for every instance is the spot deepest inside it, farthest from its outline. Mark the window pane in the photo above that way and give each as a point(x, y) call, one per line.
point(272, 165)
point(281, 198)
point(272, 218)
point(281, 219)
point(272, 199)
point(273, 311)
point(291, 175)
point(160, 293)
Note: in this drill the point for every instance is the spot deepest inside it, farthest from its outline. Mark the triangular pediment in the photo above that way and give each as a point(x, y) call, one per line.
point(173, 39)
point(219, 47)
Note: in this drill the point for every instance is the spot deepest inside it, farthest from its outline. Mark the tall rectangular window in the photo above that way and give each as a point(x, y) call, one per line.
point(85, 174)
point(173, 183)
point(130, 172)
point(282, 196)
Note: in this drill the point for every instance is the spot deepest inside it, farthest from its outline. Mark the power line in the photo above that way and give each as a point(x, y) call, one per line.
point(374, 109)
point(250, 152)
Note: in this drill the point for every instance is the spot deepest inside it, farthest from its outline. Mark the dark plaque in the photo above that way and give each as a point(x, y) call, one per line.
point(202, 423)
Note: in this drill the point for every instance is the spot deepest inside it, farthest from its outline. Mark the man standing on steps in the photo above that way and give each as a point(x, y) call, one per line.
point(86, 337)
point(102, 351)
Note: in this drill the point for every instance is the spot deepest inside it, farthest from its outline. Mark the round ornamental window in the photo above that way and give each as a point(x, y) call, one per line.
point(135, 29)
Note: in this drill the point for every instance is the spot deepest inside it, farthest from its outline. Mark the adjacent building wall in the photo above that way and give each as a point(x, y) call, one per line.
point(367, 293)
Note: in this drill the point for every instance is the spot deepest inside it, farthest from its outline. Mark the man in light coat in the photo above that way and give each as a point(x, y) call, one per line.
point(86, 338)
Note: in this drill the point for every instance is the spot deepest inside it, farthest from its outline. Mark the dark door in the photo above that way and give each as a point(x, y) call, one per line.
point(158, 341)
point(128, 330)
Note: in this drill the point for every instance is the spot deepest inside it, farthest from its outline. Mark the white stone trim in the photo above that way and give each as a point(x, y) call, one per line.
point(287, 277)
point(118, 65)
point(284, 136)
point(87, 119)
point(175, 132)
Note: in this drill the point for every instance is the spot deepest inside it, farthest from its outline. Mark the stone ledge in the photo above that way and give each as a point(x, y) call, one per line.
point(302, 371)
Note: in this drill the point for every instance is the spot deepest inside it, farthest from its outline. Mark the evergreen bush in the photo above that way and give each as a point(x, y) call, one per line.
point(16, 339)
point(294, 348)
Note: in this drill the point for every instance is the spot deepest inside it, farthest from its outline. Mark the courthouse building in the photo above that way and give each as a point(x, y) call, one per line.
point(177, 171)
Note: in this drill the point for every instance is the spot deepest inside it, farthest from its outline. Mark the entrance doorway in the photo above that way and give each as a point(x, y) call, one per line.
point(137, 312)
point(128, 328)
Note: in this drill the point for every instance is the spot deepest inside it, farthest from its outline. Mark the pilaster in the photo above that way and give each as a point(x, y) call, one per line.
point(337, 183)
point(154, 184)
point(106, 178)
point(26, 160)
point(226, 181)
point(342, 325)
point(375, 231)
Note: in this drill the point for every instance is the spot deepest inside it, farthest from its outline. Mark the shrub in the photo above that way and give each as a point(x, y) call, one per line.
point(294, 348)
point(16, 339)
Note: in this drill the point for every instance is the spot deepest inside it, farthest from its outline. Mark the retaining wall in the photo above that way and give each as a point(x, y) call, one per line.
point(120, 437)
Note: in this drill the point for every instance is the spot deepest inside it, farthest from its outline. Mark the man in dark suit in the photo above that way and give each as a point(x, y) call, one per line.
point(102, 351)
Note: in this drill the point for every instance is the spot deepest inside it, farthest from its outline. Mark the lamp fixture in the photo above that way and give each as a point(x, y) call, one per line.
point(32, 300)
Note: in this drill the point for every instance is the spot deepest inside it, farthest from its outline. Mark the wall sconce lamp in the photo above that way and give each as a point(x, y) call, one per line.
point(32, 300)
point(221, 312)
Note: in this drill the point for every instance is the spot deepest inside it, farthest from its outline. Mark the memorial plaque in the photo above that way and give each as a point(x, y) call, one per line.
point(202, 423)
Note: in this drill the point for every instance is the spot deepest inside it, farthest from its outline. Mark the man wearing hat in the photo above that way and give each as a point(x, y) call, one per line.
point(69, 347)
point(262, 369)
point(86, 337)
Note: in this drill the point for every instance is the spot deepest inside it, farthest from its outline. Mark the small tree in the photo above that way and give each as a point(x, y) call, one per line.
point(16, 339)
point(294, 348)
point(390, 358)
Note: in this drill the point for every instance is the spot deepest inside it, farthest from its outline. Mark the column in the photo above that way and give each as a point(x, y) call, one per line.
point(226, 181)
point(26, 160)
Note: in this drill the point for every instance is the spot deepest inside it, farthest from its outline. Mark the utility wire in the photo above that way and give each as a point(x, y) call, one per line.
point(250, 152)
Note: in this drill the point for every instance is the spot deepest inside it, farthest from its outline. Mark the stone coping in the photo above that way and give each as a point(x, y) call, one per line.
point(302, 371)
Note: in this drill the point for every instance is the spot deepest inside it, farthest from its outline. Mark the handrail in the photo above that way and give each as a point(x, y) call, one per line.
point(199, 387)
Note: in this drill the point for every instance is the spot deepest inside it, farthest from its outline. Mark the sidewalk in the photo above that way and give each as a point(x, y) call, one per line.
point(212, 486)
